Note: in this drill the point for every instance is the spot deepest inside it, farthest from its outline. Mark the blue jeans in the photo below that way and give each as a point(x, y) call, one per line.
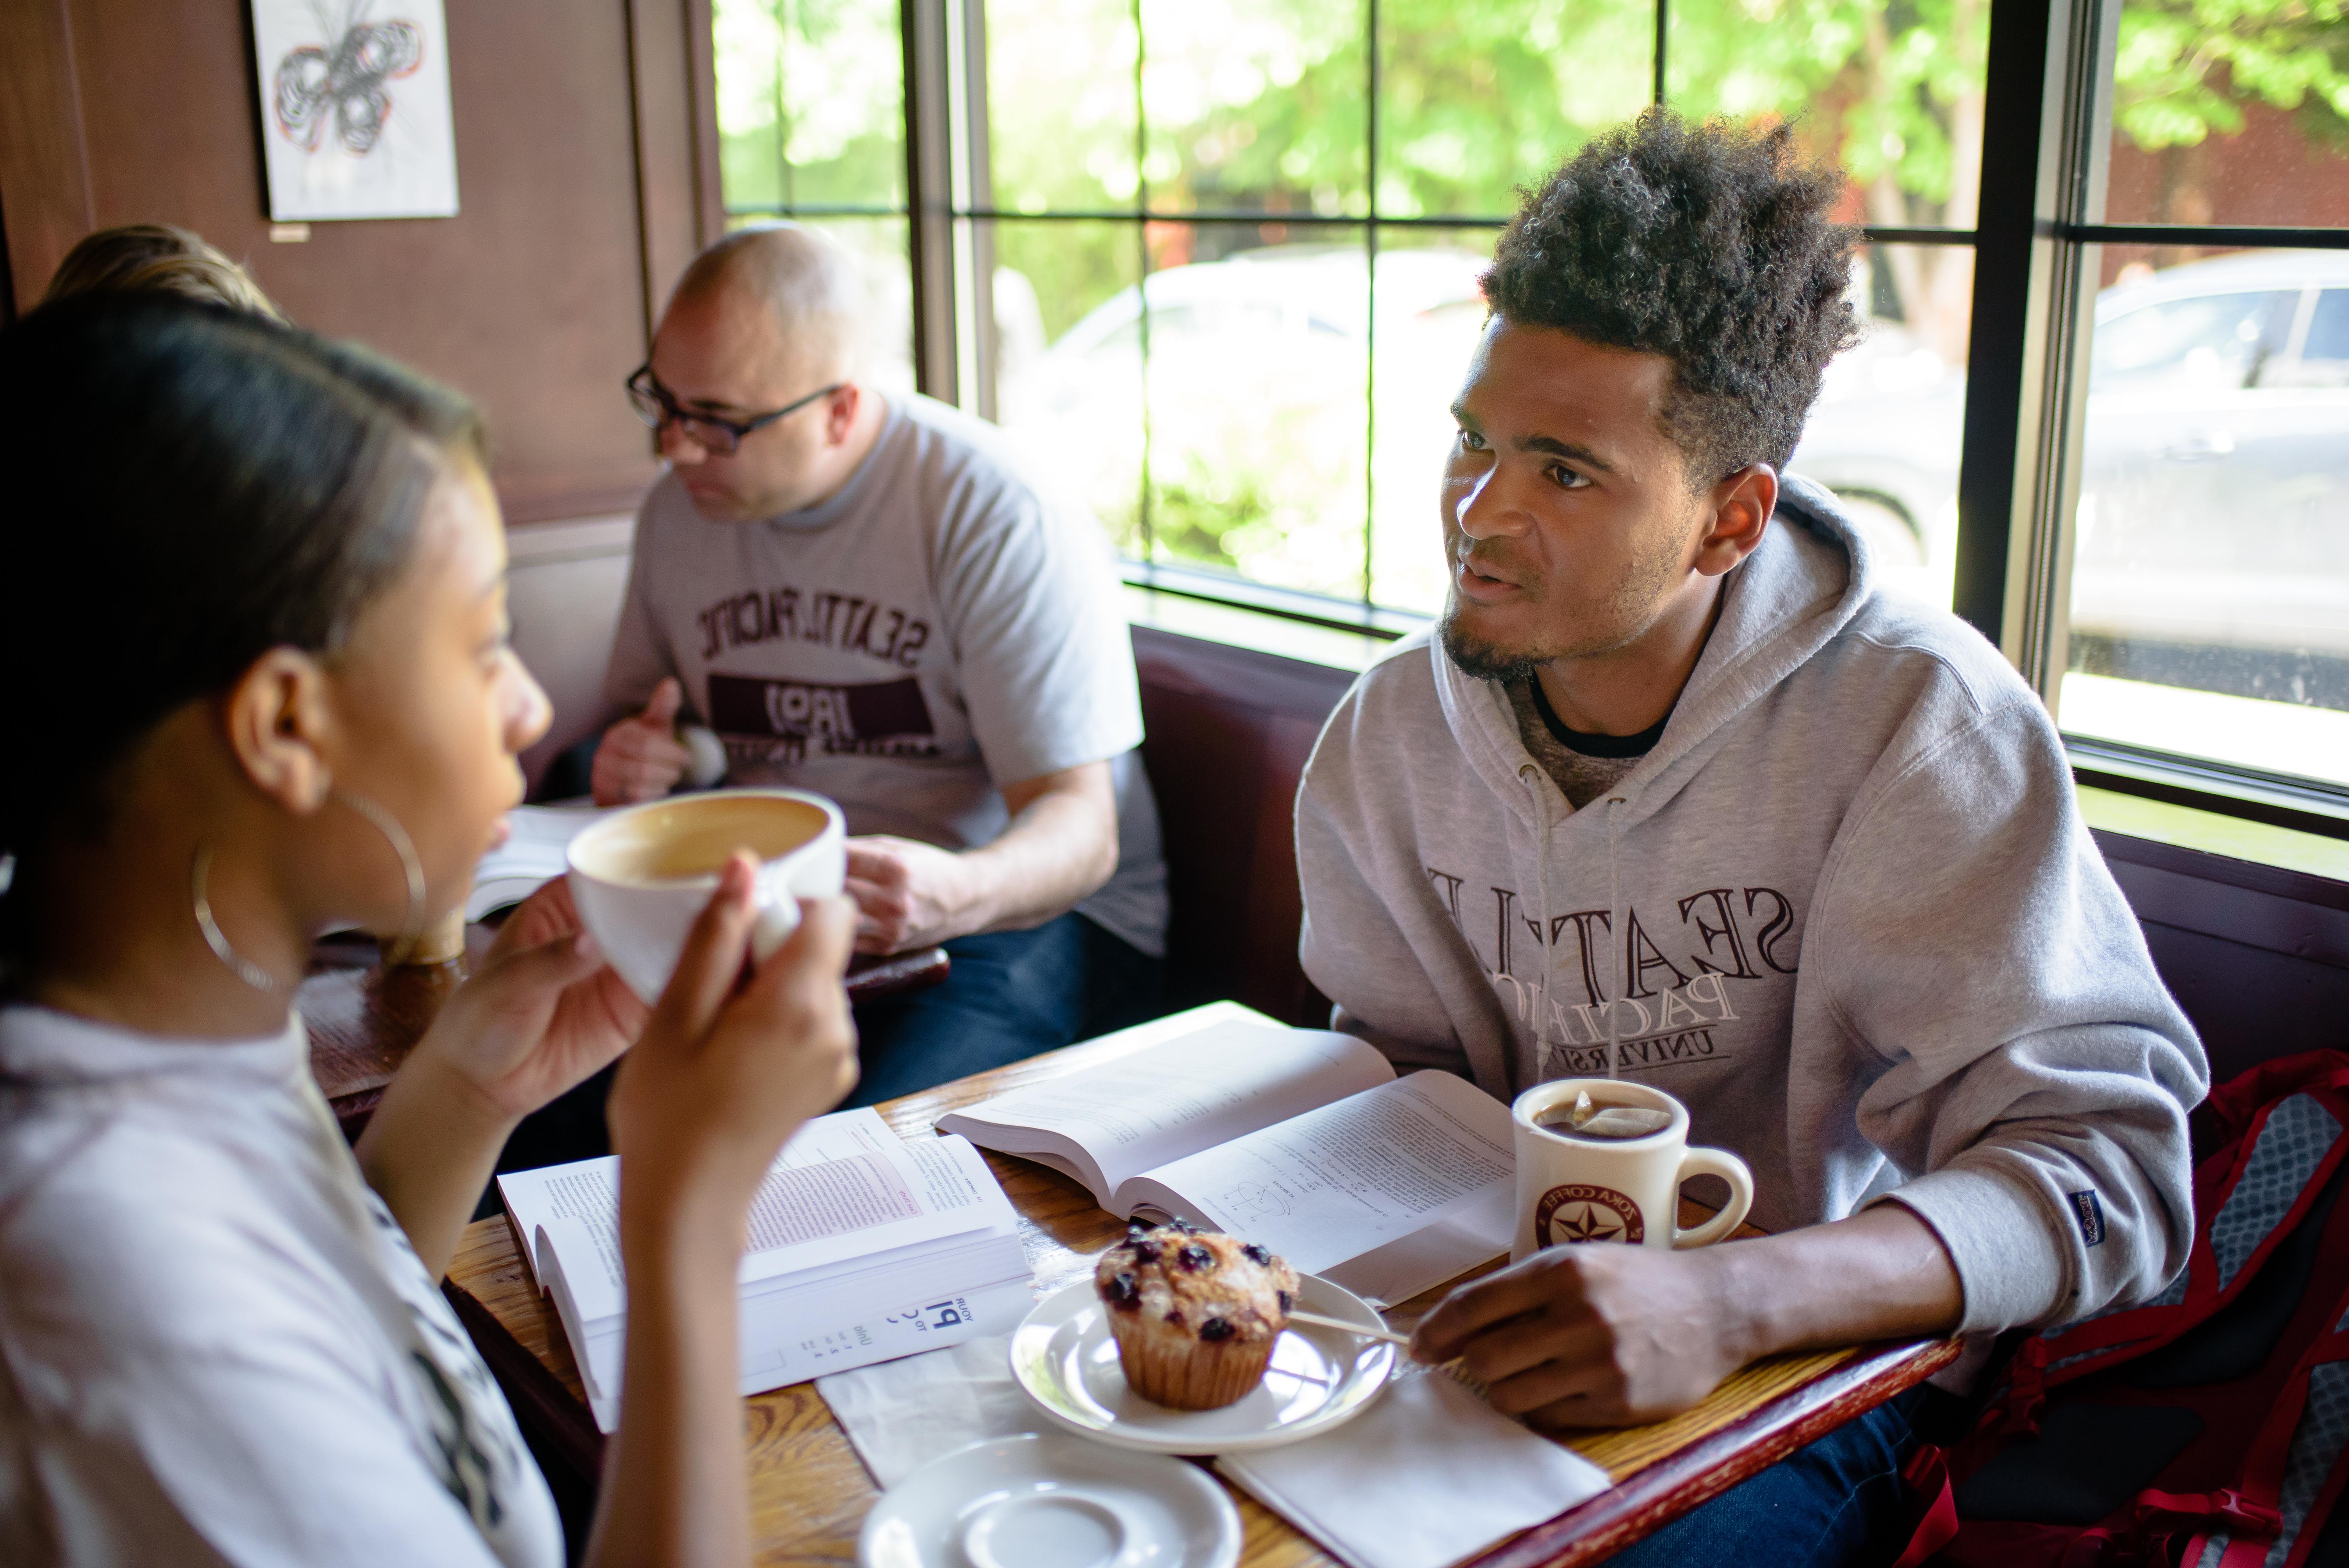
point(1838, 1501)
point(1011, 995)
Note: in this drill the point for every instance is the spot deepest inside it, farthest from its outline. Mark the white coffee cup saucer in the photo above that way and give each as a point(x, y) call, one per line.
point(1043, 1501)
point(1064, 1359)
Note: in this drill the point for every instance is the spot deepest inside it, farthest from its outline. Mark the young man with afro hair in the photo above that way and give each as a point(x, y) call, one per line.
point(1676, 792)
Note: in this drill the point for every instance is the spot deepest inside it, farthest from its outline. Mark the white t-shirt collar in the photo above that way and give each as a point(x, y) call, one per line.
point(43, 1046)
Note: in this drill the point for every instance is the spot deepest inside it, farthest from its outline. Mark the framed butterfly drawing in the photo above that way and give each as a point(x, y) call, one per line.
point(355, 112)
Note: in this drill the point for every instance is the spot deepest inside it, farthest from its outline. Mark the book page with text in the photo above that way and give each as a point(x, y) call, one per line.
point(814, 1216)
point(589, 1189)
point(1340, 1180)
point(1175, 1099)
point(819, 1215)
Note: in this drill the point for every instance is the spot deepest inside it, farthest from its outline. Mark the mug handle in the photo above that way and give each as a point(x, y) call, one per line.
point(778, 917)
point(1718, 1162)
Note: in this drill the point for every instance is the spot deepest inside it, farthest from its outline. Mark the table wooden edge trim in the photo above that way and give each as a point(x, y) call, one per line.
point(542, 1404)
point(1642, 1503)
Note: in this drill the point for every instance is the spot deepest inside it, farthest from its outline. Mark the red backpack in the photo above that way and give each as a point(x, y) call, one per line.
point(2207, 1429)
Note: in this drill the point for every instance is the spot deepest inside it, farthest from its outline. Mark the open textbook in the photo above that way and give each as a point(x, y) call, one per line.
point(861, 1247)
point(1299, 1139)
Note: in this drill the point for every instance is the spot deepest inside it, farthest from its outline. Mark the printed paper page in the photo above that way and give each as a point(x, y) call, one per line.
point(838, 1136)
point(1185, 1094)
point(845, 1209)
point(582, 1274)
point(806, 1215)
point(589, 1189)
point(1473, 1232)
point(1338, 1181)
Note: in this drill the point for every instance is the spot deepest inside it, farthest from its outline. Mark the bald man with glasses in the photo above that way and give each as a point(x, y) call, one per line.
point(867, 597)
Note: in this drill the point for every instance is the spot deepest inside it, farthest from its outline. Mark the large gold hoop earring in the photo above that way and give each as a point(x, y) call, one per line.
point(411, 925)
point(244, 968)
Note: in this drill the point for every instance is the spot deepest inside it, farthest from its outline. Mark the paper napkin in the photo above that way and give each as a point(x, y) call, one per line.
point(900, 1415)
point(1428, 1474)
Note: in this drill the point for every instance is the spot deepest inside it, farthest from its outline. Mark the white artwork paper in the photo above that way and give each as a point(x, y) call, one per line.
point(355, 108)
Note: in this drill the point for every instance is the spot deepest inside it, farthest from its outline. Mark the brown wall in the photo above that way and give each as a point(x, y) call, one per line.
point(584, 140)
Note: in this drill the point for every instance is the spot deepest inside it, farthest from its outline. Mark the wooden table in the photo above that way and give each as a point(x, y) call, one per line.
point(810, 1493)
point(364, 1019)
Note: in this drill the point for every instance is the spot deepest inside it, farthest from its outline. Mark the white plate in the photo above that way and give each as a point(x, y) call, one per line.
point(1043, 1500)
point(1064, 1360)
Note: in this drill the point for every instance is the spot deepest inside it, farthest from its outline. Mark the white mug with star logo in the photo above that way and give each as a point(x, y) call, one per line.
point(1576, 1188)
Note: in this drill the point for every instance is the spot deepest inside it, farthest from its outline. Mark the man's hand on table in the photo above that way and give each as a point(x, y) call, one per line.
point(641, 759)
point(1589, 1336)
point(1607, 1334)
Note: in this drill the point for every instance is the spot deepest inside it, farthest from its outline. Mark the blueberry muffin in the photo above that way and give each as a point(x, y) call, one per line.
point(1195, 1314)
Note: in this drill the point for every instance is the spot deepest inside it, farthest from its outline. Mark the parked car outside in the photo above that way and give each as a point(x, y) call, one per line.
point(1258, 406)
point(2215, 485)
point(2215, 466)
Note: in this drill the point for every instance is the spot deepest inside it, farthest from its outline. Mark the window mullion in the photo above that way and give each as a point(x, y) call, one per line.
point(1142, 271)
point(1663, 21)
point(1371, 305)
point(2022, 412)
point(929, 167)
point(974, 191)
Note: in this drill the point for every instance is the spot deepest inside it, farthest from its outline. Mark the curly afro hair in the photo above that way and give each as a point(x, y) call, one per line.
point(1707, 243)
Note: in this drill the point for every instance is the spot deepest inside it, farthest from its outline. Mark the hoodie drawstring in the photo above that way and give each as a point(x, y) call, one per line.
point(1532, 778)
point(1615, 910)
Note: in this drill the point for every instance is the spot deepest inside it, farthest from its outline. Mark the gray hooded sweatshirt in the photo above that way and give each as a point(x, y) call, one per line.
point(1845, 910)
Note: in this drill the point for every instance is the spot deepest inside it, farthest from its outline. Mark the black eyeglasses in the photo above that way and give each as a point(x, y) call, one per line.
point(657, 407)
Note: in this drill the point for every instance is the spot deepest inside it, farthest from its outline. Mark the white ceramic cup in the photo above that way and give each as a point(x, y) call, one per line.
point(1573, 1188)
point(641, 877)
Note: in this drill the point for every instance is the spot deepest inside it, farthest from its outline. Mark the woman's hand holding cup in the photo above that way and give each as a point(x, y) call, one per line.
point(731, 1063)
point(541, 1014)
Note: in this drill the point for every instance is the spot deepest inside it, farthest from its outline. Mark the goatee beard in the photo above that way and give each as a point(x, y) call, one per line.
point(1486, 661)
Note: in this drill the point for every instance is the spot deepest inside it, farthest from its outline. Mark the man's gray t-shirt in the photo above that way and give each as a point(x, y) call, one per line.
point(933, 631)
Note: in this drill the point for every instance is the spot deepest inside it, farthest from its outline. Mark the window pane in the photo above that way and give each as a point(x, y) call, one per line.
point(1430, 312)
point(2210, 575)
point(1060, 104)
point(1068, 360)
point(1886, 432)
point(810, 104)
point(2226, 113)
point(1256, 106)
point(1893, 92)
point(1477, 101)
point(1256, 366)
